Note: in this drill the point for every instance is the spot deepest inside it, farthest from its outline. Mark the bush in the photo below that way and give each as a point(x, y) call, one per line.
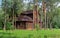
point(9, 26)
point(37, 27)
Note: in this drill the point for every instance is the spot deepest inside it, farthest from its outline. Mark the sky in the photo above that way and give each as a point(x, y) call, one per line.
point(58, 4)
point(0, 2)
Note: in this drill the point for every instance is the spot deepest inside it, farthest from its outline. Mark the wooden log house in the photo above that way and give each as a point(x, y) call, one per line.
point(25, 20)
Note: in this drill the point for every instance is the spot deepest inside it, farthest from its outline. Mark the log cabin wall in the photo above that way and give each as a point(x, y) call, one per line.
point(29, 25)
point(20, 25)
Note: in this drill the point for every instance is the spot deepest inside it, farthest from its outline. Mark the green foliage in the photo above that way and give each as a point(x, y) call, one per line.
point(9, 26)
point(37, 26)
point(8, 6)
point(1, 18)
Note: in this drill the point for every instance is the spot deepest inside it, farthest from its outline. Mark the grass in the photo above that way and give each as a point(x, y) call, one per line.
point(30, 33)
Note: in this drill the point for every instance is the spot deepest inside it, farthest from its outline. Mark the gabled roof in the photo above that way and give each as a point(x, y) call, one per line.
point(24, 18)
point(27, 12)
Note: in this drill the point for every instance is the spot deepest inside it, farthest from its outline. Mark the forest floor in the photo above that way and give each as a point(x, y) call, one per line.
point(55, 33)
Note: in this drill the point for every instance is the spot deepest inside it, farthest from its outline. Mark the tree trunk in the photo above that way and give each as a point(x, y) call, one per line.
point(44, 11)
point(47, 21)
point(5, 23)
point(4, 28)
point(13, 19)
point(35, 14)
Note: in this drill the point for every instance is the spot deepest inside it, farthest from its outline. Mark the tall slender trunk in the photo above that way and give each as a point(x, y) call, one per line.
point(44, 11)
point(13, 19)
point(5, 21)
point(4, 28)
point(51, 21)
point(41, 21)
point(35, 14)
point(47, 22)
point(51, 25)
